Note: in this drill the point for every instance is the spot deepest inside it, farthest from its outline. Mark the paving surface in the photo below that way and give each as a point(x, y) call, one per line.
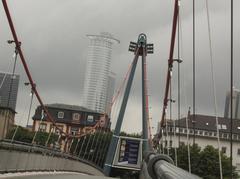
point(50, 175)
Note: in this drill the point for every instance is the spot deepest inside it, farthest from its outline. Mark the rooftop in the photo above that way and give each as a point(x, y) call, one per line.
point(204, 122)
point(70, 107)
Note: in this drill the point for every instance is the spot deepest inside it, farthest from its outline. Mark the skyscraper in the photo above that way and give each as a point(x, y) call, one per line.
point(8, 90)
point(235, 105)
point(97, 71)
point(110, 92)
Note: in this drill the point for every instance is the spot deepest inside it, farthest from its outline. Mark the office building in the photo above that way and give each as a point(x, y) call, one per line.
point(8, 90)
point(8, 100)
point(205, 134)
point(235, 105)
point(110, 92)
point(95, 92)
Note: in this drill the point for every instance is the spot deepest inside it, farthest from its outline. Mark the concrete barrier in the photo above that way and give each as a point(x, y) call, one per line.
point(20, 157)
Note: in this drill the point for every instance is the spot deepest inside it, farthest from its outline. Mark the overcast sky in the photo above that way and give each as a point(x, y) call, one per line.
point(54, 42)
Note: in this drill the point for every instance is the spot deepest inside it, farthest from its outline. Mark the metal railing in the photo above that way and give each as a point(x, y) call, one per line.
point(158, 166)
point(20, 156)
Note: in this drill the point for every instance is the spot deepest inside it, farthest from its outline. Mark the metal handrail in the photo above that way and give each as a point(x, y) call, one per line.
point(161, 166)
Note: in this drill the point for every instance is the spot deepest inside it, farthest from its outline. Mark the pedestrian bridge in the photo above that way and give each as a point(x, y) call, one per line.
point(20, 157)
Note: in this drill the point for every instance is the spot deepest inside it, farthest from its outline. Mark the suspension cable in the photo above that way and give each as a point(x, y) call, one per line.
point(188, 147)
point(102, 145)
point(179, 92)
point(214, 88)
point(194, 72)
point(187, 118)
point(231, 86)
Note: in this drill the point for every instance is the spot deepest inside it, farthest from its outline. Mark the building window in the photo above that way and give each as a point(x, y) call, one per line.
point(170, 143)
point(210, 133)
point(235, 136)
point(206, 133)
point(90, 118)
point(200, 132)
point(180, 130)
point(224, 150)
point(214, 134)
point(238, 152)
point(76, 117)
point(238, 137)
point(166, 143)
point(74, 130)
point(60, 115)
point(224, 126)
point(225, 135)
point(42, 127)
point(191, 131)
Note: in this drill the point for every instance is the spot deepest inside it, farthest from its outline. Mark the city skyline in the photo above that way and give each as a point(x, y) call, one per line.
point(58, 58)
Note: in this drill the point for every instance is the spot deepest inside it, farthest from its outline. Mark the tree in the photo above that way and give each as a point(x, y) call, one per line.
point(26, 136)
point(204, 163)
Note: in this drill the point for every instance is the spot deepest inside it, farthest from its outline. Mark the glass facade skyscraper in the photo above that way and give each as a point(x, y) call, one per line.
point(235, 105)
point(8, 90)
point(95, 92)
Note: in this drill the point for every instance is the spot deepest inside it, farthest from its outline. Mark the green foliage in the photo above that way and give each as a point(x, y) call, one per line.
point(204, 163)
point(24, 135)
point(135, 135)
point(92, 147)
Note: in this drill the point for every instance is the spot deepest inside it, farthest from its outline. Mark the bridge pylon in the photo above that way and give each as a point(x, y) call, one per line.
point(141, 48)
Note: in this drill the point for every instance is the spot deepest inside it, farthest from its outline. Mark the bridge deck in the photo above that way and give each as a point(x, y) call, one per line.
point(51, 175)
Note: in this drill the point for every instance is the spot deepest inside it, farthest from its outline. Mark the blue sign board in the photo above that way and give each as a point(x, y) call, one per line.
point(128, 153)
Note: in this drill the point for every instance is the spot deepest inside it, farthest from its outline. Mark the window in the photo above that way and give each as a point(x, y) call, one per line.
point(200, 132)
point(90, 118)
point(75, 117)
point(180, 130)
point(238, 152)
point(206, 133)
point(170, 143)
point(224, 150)
point(224, 126)
point(225, 135)
point(210, 133)
point(214, 134)
point(60, 115)
point(166, 143)
point(74, 130)
point(234, 136)
point(177, 129)
point(191, 131)
point(42, 127)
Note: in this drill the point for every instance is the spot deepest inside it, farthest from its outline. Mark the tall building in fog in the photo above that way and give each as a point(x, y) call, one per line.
point(235, 104)
point(110, 92)
point(8, 90)
point(96, 83)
